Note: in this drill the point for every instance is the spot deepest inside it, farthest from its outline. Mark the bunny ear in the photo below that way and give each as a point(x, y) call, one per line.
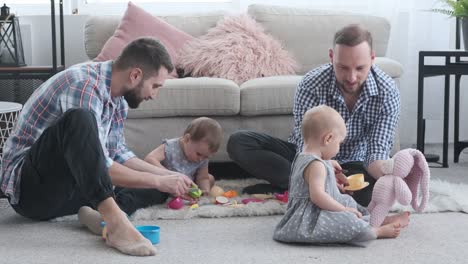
point(418, 180)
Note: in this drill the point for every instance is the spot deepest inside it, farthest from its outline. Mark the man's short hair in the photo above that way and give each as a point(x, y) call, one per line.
point(145, 53)
point(352, 35)
point(207, 130)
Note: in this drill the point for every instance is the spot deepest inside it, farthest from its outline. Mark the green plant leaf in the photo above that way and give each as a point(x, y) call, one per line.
point(453, 8)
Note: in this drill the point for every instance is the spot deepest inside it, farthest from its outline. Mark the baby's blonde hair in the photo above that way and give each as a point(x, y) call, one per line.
point(207, 130)
point(320, 120)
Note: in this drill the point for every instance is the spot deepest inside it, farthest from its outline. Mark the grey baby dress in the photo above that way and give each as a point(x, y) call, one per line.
point(176, 161)
point(304, 222)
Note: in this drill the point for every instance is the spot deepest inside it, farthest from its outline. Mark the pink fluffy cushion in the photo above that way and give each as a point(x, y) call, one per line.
point(136, 23)
point(237, 49)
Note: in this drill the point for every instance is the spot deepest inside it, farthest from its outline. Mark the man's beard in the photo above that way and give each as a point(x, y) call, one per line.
point(132, 98)
point(350, 90)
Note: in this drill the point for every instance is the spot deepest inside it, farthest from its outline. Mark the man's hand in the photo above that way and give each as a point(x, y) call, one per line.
point(176, 184)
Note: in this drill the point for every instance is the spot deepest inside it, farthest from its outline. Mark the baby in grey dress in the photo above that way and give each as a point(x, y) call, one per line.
point(317, 211)
point(189, 153)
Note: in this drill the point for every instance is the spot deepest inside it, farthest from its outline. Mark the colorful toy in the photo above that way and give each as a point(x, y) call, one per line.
point(216, 191)
point(221, 200)
point(175, 203)
point(262, 196)
point(150, 232)
point(406, 180)
point(104, 232)
point(195, 192)
point(356, 182)
point(230, 194)
point(283, 197)
point(252, 200)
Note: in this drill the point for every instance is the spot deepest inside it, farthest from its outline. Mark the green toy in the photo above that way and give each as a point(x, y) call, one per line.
point(195, 192)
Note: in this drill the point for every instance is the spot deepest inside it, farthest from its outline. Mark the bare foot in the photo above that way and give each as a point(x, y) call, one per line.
point(388, 231)
point(402, 218)
point(123, 236)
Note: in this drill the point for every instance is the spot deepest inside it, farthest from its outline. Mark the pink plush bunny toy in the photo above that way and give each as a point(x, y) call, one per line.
point(406, 173)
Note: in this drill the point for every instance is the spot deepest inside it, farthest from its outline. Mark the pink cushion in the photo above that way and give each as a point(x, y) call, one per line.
point(136, 23)
point(237, 49)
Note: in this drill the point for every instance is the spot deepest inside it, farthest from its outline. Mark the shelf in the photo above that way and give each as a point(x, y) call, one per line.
point(29, 69)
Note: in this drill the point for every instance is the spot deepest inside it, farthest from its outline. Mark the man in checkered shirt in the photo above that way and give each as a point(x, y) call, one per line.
point(68, 148)
point(367, 99)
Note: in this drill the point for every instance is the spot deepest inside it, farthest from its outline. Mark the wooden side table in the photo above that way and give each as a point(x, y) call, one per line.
point(452, 65)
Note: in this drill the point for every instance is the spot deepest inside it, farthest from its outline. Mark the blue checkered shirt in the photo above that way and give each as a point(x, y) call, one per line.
point(82, 86)
point(370, 126)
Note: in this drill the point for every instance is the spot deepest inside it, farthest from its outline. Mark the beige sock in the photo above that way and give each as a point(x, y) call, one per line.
point(140, 248)
point(91, 219)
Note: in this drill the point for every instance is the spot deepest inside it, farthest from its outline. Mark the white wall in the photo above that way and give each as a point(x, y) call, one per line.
point(439, 31)
point(41, 36)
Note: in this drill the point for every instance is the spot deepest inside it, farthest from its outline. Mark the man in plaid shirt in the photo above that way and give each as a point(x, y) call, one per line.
point(367, 99)
point(68, 148)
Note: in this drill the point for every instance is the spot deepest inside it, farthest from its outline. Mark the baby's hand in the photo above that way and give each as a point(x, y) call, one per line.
point(354, 211)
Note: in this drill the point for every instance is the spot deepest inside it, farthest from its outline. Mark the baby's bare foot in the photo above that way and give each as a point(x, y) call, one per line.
point(123, 236)
point(402, 218)
point(388, 231)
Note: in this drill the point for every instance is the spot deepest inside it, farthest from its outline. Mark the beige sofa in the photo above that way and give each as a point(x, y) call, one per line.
point(263, 104)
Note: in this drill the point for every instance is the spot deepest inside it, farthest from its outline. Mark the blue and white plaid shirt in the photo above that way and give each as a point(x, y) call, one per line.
point(371, 125)
point(82, 86)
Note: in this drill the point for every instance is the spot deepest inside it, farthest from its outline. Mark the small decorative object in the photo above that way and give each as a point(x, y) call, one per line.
point(11, 46)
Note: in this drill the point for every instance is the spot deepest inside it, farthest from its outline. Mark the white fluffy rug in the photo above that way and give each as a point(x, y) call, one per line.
point(444, 196)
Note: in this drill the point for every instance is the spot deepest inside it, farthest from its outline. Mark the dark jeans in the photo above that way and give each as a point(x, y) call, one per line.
point(66, 169)
point(131, 199)
point(270, 158)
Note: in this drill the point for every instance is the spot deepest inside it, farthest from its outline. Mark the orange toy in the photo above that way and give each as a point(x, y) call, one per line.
point(230, 194)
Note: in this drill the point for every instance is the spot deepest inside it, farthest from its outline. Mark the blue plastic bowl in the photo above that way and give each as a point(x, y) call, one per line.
point(150, 232)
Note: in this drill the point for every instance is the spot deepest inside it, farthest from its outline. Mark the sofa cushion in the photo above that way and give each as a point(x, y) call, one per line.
point(308, 33)
point(192, 97)
point(98, 29)
point(268, 96)
point(389, 66)
point(136, 23)
point(236, 49)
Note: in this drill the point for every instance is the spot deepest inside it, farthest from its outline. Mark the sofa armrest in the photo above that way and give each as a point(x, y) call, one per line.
point(389, 66)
